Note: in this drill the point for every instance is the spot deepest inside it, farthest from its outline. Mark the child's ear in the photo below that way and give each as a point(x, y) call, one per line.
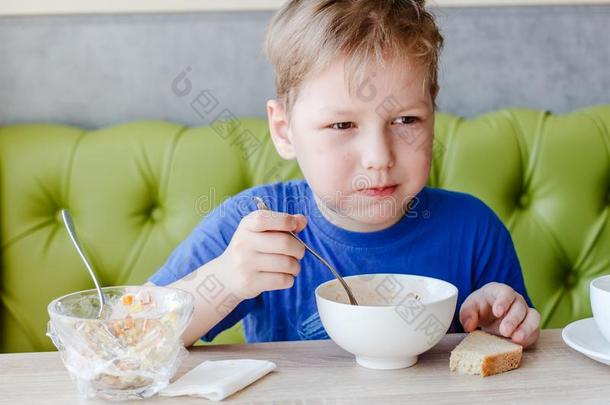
point(279, 128)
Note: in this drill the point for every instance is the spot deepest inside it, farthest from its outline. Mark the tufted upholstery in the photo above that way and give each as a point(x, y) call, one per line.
point(136, 190)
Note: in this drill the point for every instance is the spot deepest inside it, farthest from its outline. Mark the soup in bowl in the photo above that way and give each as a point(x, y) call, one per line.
point(398, 316)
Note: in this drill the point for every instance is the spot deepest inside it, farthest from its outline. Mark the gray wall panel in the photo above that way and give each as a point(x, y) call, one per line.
point(554, 58)
point(100, 70)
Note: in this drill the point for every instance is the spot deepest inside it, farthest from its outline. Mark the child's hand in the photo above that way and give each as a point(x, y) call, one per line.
point(500, 310)
point(260, 257)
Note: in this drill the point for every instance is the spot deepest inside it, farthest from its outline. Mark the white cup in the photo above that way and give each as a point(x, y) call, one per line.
point(599, 290)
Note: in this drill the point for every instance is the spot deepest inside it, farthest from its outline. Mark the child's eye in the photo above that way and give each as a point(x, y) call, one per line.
point(407, 120)
point(341, 126)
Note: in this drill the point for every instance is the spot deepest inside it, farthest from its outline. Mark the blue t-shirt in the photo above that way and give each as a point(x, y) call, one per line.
point(447, 235)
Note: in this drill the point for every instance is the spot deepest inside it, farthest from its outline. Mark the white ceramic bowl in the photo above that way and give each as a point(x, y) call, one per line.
point(599, 290)
point(398, 317)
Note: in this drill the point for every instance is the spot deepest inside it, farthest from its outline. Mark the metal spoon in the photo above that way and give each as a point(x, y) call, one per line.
point(352, 300)
point(67, 218)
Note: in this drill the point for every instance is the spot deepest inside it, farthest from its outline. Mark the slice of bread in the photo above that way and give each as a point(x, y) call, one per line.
point(485, 354)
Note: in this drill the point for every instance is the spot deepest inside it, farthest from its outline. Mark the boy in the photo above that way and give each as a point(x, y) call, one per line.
point(356, 84)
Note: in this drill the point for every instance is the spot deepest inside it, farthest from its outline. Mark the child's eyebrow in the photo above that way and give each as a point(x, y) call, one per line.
point(334, 110)
point(400, 108)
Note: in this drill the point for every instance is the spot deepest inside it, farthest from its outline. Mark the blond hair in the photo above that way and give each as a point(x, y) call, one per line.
point(306, 36)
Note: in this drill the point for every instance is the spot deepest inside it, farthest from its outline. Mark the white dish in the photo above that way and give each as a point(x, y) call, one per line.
point(599, 290)
point(585, 337)
point(399, 317)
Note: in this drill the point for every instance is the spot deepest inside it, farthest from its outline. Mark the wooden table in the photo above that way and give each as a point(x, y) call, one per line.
point(319, 372)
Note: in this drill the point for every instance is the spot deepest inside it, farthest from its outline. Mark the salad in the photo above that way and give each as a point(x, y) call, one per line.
point(132, 350)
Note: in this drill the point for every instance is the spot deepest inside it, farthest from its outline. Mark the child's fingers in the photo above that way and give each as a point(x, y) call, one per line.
point(470, 310)
point(500, 310)
point(279, 243)
point(500, 297)
point(489, 303)
point(513, 318)
point(276, 263)
point(529, 330)
point(268, 281)
point(265, 220)
point(301, 222)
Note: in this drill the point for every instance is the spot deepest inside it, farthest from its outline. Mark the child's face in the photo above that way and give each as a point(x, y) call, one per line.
point(381, 137)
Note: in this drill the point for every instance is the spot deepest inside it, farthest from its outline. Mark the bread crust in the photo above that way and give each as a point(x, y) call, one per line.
point(500, 363)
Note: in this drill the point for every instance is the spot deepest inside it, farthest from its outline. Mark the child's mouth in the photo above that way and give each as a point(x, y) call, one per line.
point(379, 191)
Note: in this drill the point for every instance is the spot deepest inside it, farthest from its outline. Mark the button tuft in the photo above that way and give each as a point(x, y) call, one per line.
point(524, 201)
point(571, 279)
point(156, 214)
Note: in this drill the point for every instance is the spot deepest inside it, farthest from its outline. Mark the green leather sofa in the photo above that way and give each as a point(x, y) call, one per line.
point(136, 190)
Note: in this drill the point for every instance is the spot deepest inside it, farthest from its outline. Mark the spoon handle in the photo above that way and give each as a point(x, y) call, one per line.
point(67, 218)
point(352, 299)
point(261, 205)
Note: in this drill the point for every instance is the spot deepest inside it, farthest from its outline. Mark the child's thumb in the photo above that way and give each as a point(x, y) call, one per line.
point(301, 222)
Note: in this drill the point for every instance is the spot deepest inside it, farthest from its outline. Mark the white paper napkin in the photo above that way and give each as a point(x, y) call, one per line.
point(216, 380)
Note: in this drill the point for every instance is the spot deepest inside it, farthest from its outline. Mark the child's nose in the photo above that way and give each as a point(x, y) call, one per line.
point(377, 152)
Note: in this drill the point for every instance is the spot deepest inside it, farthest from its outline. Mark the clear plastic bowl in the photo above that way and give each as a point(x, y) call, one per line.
point(133, 350)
